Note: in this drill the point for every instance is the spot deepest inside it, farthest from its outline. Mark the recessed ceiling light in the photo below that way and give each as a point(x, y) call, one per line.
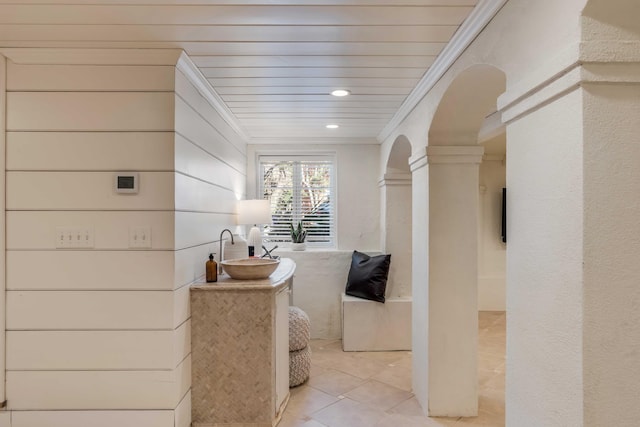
point(332, 126)
point(340, 92)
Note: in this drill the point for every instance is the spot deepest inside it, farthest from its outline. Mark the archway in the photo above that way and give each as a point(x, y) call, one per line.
point(396, 219)
point(454, 156)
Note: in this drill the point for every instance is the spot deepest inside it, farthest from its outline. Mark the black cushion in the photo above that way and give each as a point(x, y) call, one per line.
point(368, 276)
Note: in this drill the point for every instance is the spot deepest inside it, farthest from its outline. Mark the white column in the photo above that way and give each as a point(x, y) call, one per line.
point(453, 279)
point(397, 230)
point(420, 276)
point(611, 234)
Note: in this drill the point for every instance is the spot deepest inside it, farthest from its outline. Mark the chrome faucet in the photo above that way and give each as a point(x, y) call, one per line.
point(221, 257)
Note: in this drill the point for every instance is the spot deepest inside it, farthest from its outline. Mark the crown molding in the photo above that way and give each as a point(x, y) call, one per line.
point(186, 66)
point(468, 31)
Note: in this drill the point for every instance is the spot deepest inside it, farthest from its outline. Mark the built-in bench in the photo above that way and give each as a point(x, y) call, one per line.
point(373, 326)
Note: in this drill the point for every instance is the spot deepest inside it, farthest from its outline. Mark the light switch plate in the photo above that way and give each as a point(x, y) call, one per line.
point(140, 237)
point(74, 237)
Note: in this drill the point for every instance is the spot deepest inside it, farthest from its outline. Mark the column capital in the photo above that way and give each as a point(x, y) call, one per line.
point(418, 160)
point(454, 154)
point(395, 179)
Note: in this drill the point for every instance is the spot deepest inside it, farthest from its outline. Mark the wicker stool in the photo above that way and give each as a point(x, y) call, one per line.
point(299, 352)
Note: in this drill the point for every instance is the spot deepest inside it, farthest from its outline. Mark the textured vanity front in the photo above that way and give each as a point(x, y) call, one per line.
point(233, 330)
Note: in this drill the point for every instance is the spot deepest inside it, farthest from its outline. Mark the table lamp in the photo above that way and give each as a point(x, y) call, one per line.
point(254, 212)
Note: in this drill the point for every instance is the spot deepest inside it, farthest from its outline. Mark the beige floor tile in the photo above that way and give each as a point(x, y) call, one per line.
point(326, 345)
point(405, 362)
point(291, 421)
point(349, 413)
point(306, 400)
point(409, 407)
point(376, 380)
point(387, 357)
point(398, 420)
point(358, 366)
point(396, 376)
point(378, 395)
point(316, 370)
point(335, 383)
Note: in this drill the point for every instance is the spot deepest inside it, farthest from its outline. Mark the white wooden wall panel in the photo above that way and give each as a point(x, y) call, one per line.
point(92, 419)
point(196, 228)
point(189, 263)
point(181, 343)
point(90, 111)
point(286, 73)
point(183, 412)
point(3, 266)
point(181, 306)
point(90, 270)
point(194, 161)
point(78, 78)
point(201, 106)
point(225, 15)
point(95, 333)
point(90, 350)
point(422, 62)
point(98, 350)
point(86, 191)
point(84, 151)
point(37, 229)
point(197, 130)
point(87, 390)
point(5, 419)
point(240, 33)
point(195, 195)
point(87, 310)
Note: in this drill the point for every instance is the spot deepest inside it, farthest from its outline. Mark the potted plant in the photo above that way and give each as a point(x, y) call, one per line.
point(298, 235)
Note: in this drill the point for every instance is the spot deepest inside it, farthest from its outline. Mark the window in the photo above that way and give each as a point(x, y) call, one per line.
point(300, 188)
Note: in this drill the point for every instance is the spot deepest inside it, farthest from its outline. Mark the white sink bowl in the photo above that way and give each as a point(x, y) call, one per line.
point(250, 268)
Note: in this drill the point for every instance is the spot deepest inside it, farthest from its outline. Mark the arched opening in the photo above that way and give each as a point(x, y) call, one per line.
point(450, 386)
point(396, 220)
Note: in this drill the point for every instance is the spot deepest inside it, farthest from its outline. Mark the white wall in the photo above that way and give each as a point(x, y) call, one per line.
point(322, 273)
point(101, 335)
point(358, 207)
point(491, 249)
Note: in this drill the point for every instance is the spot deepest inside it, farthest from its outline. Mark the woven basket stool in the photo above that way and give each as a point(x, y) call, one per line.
point(299, 329)
point(299, 353)
point(299, 366)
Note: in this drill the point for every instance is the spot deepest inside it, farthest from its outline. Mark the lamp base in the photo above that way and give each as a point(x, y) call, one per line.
point(255, 239)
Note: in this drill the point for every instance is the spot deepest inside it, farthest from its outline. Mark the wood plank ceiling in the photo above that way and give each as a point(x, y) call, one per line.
point(273, 62)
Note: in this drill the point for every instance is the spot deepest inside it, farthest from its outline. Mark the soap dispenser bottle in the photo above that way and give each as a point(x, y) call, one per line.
point(212, 269)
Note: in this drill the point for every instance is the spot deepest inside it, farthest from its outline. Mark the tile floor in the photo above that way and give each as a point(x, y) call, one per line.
point(373, 389)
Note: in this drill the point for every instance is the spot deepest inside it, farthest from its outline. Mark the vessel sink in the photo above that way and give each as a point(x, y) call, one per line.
point(249, 268)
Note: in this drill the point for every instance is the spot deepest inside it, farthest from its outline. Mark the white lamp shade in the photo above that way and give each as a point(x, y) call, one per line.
point(254, 212)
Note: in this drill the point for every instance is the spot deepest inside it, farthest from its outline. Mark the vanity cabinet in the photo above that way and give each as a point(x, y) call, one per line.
point(240, 350)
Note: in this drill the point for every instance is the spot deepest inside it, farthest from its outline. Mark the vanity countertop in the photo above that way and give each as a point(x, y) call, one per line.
point(275, 281)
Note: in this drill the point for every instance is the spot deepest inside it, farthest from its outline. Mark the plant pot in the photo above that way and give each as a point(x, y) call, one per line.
point(298, 246)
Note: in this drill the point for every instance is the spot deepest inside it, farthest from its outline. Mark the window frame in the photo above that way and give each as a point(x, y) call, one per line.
point(302, 157)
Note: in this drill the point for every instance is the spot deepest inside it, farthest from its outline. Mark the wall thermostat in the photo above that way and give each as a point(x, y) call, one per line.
point(127, 182)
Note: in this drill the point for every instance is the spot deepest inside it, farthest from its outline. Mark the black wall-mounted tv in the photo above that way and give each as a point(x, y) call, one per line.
point(504, 215)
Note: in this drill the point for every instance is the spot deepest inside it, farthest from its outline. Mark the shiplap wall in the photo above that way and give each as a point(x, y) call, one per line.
point(101, 336)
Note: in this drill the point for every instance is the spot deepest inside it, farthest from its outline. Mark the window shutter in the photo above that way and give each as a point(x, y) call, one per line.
point(300, 189)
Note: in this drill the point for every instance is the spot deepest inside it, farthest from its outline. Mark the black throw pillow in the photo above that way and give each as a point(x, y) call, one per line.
point(368, 276)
